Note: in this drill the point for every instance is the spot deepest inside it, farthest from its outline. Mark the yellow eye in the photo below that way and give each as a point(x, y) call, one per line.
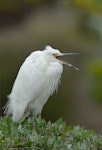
point(55, 55)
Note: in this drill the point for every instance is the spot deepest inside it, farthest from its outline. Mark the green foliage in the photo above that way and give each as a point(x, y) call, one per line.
point(46, 136)
point(89, 5)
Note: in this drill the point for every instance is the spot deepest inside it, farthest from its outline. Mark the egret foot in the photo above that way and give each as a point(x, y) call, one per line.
point(31, 115)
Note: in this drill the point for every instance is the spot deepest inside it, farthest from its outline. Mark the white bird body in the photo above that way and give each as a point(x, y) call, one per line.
point(37, 79)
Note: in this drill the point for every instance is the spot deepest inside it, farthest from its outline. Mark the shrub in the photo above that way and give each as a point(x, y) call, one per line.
point(46, 136)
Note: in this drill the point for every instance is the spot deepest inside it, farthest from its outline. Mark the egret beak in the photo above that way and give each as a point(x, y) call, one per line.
point(68, 54)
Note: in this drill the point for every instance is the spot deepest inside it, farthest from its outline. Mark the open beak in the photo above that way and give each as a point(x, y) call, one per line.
point(68, 54)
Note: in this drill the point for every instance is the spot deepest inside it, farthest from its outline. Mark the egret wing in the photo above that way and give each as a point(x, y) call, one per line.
point(31, 78)
point(28, 85)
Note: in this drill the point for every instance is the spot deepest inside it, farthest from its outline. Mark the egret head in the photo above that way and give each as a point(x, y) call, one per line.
point(52, 52)
point(56, 55)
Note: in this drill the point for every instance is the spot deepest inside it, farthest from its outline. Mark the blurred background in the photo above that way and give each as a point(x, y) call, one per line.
point(67, 25)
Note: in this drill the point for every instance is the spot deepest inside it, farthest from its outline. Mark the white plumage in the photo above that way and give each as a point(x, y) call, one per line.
point(37, 79)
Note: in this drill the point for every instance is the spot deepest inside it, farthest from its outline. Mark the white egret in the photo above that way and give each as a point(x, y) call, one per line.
point(37, 79)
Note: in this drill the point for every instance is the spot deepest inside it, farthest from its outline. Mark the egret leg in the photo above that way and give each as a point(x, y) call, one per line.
point(31, 115)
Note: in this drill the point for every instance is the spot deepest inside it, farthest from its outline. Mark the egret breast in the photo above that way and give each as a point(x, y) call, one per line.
point(53, 75)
